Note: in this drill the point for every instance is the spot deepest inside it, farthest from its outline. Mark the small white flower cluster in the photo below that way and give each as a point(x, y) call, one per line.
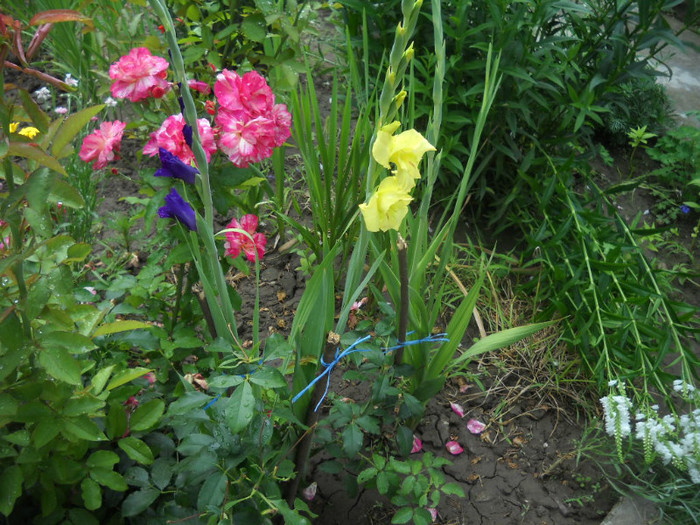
point(617, 415)
point(42, 94)
point(673, 439)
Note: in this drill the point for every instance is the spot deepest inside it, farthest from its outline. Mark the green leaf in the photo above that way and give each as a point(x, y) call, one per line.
point(366, 475)
point(137, 477)
point(72, 126)
point(254, 27)
point(10, 488)
point(44, 432)
point(422, 517)
point(382, 483)
point(147, 415)
point(81, 427)
point(225, 381)
point(161, 472)
point(84, 404)
point(452, 489)
point(240, 408)
point(37, 116)
point(119, 326)
point(73, 342)
point(67, 195)
point(499, 340)
point(352, 439)
point(109, 478)
point(136, 502)
point(92, 494)
point(78, 252)
point(190, 401)
point(60, 365)
point(213, 491)
point(403, 515)
point(27, 151)
point(8, 405)
point(123, 377)
point(102, 459)
point(99, 380)
point(136, 450)
point(268, 377)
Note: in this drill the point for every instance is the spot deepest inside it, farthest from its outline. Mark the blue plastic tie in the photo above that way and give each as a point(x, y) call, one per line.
point(351, 350)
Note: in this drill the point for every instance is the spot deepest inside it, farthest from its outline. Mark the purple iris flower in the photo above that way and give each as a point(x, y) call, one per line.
point(172, 166)
point(178, 208)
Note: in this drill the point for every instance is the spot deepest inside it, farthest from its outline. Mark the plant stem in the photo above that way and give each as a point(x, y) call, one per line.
point(405, 299)
point(312, 417)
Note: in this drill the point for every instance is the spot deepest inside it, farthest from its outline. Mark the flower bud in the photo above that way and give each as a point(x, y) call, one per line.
point(409, 52)
point(400, 98)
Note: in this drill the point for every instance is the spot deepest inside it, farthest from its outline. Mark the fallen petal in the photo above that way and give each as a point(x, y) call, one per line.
point(457, 409)
point(309, 493)
point(454, 448)
point(475, 427)
point(433, 513)
point(417, 445)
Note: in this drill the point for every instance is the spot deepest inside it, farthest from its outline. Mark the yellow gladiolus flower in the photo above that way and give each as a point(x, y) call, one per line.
point(405, 150)
point(387, 207)
point(13, 127)
point(29, 132)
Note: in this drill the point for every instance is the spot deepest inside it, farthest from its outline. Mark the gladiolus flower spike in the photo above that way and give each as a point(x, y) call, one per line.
point(178, 208)
point(172, 166)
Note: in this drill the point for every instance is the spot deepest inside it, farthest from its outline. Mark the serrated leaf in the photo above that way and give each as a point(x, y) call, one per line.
point(366, 475)
point(60, 365)
point(92, 494)
point(213, 491)
point(136, 450)
point(240, 408)
point(10, 488)
point(102, 459)
point(82, 427)
point(123, 377)
point(352, 439)
point(161, 472)
point(137, 477)
point(72, 126)
point(268, 377)
point(403, 515)
point(147, 415)
point(73, 342)
point(452, 489)
point(99, 380)
point(82, 405)
point(136, 502)
point(109, 478)
point(119, 326)
point(44, 432)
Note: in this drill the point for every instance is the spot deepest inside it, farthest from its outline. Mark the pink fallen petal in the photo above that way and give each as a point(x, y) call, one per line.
point(475, 427)
point(433, 513)
point(463, 388)
point(454, 448)
point(457, 409)
point(309, 493)
point(417, 445)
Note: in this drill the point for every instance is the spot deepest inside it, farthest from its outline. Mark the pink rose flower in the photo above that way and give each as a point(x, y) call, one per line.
point(245, 142)
point(309, 493)
point(170, 137)
point(139, 75)
point(103, 144)
point(250, 122)
point(236, 241)
point(454, 448)
point(244, 97)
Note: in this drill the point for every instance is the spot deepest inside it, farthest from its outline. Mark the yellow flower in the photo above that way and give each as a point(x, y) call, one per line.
point(29, 132)
point(13, 127)
point(405, 150)
point(387, 207)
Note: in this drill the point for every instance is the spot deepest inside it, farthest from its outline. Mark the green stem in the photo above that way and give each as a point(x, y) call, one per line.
point(405, 299)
